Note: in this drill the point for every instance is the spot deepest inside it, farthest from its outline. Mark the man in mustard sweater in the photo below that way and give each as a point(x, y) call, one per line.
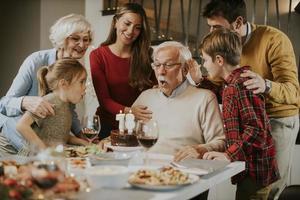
point(271, 58)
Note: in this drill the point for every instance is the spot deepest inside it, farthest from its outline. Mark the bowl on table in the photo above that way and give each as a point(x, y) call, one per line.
point(77, 165)
point(107, 176)
point(110, 158)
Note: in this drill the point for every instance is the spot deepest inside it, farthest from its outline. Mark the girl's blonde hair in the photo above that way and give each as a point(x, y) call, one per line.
point(49, 76)
point(140, 67)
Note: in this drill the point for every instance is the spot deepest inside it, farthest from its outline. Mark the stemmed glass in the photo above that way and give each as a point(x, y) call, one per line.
point(147, 135)
point(45, 176)
point(92, 126)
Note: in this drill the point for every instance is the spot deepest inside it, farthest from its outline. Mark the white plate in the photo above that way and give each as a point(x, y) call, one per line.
point(123, 149)
point(192, 179)
point(199, 166)
point(190, 170)
point(110, 158)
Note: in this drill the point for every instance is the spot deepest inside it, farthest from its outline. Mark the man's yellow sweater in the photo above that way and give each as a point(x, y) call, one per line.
point(270, 53)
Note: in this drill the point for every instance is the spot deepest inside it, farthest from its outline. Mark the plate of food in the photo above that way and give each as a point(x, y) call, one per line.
point(166, 178)
point(82, 151)
point(33, 179)
point(122, 148)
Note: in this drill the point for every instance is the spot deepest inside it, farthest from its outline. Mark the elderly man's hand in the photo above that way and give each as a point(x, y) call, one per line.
point(214, 155)
point(194, 70)
point(194, 151)
point(255, 83)
point(37, 106)
point(186, 152)
point(141, 112)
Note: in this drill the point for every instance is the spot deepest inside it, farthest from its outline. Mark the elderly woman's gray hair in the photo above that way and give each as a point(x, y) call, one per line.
point(184, 52)
point(66, 26)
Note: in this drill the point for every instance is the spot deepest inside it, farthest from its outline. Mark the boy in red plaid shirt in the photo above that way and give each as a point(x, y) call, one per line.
point(246, 124)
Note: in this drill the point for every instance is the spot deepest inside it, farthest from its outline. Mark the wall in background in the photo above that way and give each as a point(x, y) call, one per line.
point(25, 29)
point(52, 10)
point(20, 35)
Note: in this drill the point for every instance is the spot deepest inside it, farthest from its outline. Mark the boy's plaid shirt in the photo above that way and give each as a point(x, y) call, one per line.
point(247, 129)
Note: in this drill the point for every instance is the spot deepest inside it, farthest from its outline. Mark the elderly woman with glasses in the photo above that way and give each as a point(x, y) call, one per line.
point(71, 35)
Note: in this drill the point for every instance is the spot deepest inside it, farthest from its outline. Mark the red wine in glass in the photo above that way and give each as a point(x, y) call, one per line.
point(92, 127)
point(147, 135)
point(147, 141)
point(90, 134)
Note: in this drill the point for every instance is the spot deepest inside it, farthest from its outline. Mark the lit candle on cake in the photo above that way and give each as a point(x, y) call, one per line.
point(121, 117)
point(129, 122)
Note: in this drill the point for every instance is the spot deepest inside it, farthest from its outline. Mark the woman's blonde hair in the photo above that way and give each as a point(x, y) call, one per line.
point(66, 26)
point(140, 66)
point(48, 76)
point(225, 43)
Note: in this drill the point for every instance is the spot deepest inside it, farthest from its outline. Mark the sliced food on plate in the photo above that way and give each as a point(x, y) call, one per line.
point(82, 151)
point(164, 178)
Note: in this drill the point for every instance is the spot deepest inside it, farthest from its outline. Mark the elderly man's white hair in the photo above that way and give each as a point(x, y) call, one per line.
point(66, 26)
point(184, 52)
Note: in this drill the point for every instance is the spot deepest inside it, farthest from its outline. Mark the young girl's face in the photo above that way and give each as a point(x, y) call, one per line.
point(76, 89)
point(128, 28)
point(214, 70)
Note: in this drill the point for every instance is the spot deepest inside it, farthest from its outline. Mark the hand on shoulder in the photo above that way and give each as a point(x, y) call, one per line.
point(255, 82)
point(38, 106)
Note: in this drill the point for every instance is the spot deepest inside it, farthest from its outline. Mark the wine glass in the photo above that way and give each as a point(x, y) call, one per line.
point(92, 126)
point(147, 135)
point(45, 175)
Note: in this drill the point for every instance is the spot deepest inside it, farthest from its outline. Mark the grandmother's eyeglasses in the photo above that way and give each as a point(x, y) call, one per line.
point(166, 66)
point(77, 39)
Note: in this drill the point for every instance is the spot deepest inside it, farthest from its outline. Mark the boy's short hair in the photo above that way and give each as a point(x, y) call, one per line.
point(225, 43)
point(228, 9)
